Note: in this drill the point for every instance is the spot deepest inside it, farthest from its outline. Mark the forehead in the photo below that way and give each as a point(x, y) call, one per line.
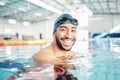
point(67, 25)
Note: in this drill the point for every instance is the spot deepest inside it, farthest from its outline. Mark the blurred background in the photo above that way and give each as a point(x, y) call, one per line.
point(35, 18)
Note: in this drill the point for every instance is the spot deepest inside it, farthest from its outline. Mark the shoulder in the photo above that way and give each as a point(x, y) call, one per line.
point(44, 56)
point(43, 53)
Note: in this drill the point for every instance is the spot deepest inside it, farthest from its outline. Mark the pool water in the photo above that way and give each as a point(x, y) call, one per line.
point(102, 66)
point(102, 62)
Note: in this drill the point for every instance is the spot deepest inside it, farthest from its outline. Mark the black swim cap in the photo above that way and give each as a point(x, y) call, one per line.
point(65, 18)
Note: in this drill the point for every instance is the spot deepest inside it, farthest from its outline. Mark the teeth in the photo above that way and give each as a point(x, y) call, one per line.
point(67, 41)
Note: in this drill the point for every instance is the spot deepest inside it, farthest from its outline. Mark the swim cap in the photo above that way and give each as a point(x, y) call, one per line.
point(65, 18)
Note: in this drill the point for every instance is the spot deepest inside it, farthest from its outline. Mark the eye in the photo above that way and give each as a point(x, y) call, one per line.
point(62, 29)
point(74, 30)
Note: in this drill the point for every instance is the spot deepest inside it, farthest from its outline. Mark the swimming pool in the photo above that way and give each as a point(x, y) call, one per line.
point(101, 62)
point(104, 63)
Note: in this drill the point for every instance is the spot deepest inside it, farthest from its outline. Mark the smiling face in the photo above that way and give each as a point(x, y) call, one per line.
point(65, 36)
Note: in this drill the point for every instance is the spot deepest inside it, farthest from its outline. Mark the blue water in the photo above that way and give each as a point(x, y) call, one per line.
point(105, 66)
point(102, 62)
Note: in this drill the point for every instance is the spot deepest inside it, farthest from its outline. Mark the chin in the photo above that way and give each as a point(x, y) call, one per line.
point(67, 49)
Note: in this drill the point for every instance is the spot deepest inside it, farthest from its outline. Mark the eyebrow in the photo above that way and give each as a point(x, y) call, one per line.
point(66, 27)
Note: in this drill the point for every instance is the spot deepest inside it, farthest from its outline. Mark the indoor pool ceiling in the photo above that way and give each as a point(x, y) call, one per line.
point(39, 10)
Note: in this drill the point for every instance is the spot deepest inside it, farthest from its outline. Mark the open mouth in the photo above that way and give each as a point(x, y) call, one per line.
point(67, 42)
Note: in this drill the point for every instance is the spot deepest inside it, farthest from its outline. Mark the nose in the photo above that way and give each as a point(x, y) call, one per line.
point(69, 34)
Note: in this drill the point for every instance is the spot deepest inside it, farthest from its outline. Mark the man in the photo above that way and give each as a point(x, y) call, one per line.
point(64, 37)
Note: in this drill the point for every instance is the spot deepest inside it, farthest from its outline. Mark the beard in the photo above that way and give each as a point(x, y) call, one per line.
point(60, 45)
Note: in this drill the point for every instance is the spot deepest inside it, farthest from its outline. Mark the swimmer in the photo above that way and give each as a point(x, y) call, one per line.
point(64, 37)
